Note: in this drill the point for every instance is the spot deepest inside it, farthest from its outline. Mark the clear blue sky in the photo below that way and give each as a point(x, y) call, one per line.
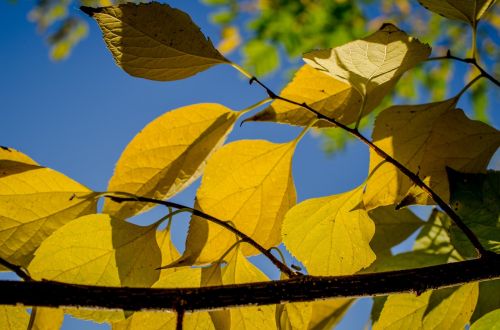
point(76, 116)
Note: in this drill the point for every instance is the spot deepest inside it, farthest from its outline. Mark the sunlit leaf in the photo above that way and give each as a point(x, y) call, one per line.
point(327, 313)
point(13, 318)
point(35, 201)
point(403, 311)
point(293, 316)
point(490, 321)
point(155, 41)
point(47, 318)
point(475, 199)
point(438, 136)
point(99, 250)
point(488, 300)
point(248, 183)
point(451, 308)
point(373, 64)
point(469, 11)
point(168, 154)
point(330, 235)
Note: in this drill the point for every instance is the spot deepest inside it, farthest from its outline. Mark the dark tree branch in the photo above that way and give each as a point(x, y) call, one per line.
point(412, 176)
point(225, 224)
point(304, 288)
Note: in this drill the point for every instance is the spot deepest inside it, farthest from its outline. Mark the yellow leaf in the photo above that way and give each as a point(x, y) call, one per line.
point(323, 93)
point(425, 139)
point(330, 235)
point(403, 311)
point(248, 183)
point(47, 318)
point(13, 318)
point(327, 313)
point(238, 271)
point(231, 39)
point(451, 308)
point(155, 41)
point(168, 154)
point(469, 11)
point(293, 316)
point(371, 65)
point(99, 250)
point(171, 278)
point(34, 202)
point(169, 252)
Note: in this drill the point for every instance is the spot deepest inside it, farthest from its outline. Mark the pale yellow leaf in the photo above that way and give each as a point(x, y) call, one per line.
point(403, 311)
point(490, 321)
point(168, 155)
point(293, 316)
point(373, 64)
point(99, 250)
point(246, 182)
point(327, 313)
point(425, 139)
point(469, 11)
point(34, 202)
point(169, 252)
point(452, 308)
point(155, 41)
point(13, 318)
point(47, 318)
point(238, 271)
point(330, 235)
point(231, 39)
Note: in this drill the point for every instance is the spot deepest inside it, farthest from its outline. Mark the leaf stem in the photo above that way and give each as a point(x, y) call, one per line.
point(469, 84)
point(412, 176)
point(254, 106)
point(471, 60)
point(244, 237)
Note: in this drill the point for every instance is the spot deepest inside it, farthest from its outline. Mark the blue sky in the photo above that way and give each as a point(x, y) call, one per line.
point(76, 116)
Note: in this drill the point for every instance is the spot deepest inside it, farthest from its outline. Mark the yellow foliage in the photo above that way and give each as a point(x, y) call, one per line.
point(47, 318)
point(13, 318)
point(168, 155)
point(231, 39)
point(469, 11)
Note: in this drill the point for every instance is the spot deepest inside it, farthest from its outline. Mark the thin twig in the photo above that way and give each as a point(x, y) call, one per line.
point(303, 288)
point(20, 271)
point(412, 176)
point(180, 319)
point(472, 61)
point(244, 237)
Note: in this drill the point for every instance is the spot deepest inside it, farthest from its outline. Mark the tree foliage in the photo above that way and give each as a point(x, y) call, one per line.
point(428, 154)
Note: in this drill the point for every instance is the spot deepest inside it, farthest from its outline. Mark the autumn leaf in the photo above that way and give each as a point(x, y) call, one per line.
point(469, 11)
point(425, 139)
point(490, 321)
point(330, 235)
point(403, 311)
point(13, 318)
point(371, 65)
point(35, 201)
point(47, 318)
point(293, 316)
point(231, 39)
point(248, 183)
point(488, 299)
point(168, 155)
point(155, 41)
point(327, 313)
point(99, 250)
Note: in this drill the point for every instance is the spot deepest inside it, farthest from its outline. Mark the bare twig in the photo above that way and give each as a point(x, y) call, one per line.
point(225, 224)
point(20, 271)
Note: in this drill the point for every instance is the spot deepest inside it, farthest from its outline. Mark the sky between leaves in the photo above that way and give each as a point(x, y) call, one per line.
point(110, 131)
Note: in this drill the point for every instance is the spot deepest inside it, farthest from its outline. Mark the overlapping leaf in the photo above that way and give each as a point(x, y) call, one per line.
point(47, 318)
point(330, 235)
point(99, 250)
point(371, 65)
point(488, 300)
point(35, 201)
point(13, 318)
point(403, 311)
point(248, 183)
point(169, 154)
point(327, 313)
point(155, 41)
point(426, 139)
point(469, 11)
point(490, 321)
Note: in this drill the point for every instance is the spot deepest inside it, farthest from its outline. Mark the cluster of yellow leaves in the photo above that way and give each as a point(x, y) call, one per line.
point(50, 226)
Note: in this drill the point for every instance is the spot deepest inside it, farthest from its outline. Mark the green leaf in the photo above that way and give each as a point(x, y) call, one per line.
point(260, 58)
point(168, 155)
point(490, 321)
point(488, 300)
point(155, 41)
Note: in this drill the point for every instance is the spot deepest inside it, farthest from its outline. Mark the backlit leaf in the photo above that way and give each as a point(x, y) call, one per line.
point(373, 64)
point(293, 316)
point(168, 155)
point(47, 318)
point(34, 202)
point(155, 41)
point(327, 313)
point(403, 311)
point(425, 139)
point(99, 250)
point(330, 235)
point(451, 308)
point(469, 11)
point(488, 300)
point(13, 318)
point(248, 183)
point(490, 321)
